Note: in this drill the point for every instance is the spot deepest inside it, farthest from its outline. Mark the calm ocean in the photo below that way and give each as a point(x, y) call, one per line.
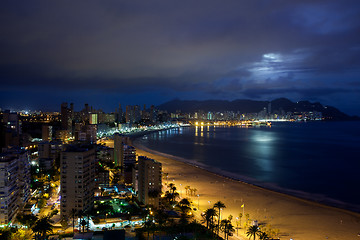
point(314, 160)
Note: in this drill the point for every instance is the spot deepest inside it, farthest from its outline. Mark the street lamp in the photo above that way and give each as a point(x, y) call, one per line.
point(237, 226)
point(198, 201)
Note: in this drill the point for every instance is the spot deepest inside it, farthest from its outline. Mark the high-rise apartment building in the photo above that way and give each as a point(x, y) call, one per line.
point(129, 163)
point(50, 149)
point(49, 154)
point(119, 114)
point(77, 176)
point(133, 114)
point(66, 116)
point(85, 133)
point(14, 183)
point(12, 121)
point(149, 181)
point(10, 129)
point(152, 114)
point(93, 118)
point(47, 133)
point(129, 155)
point(118, 150)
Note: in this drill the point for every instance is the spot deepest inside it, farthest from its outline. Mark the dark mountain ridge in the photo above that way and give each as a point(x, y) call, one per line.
point(251, 106)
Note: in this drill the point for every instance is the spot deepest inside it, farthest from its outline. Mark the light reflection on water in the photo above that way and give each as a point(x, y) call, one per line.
point(262, 136)
point(300, 156)
point(263, 149)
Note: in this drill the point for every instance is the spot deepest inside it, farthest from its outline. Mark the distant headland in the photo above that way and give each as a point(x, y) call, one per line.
point(277, 106)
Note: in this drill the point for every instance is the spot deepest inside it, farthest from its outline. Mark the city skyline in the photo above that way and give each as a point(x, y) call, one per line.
point(106, 53)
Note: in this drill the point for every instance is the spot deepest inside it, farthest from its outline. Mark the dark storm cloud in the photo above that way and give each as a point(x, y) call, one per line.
point(307, 92)
point(216, 48)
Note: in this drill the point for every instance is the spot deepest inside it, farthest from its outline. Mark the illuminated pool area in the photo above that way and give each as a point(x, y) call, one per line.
point(114, 213)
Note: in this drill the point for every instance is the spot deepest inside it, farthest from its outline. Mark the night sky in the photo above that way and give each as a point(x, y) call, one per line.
point(134, 52)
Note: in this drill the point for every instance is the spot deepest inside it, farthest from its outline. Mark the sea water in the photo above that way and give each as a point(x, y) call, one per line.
point(319, 161)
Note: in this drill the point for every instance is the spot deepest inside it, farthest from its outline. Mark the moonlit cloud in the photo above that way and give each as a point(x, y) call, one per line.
point(160, 50)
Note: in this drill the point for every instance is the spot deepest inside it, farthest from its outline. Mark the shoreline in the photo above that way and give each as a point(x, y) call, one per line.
point(136, 135)
point(296, 217)
point(301, 195)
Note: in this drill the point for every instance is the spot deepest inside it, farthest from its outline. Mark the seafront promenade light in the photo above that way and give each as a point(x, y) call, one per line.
point(237, 226)
point(198, 201)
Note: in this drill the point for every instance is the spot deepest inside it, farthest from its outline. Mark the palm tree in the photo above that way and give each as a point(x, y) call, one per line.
point(64, 222)
point(219, 205)
point(148, 225)
point(83, 223)
point(154, 193)
point(73, 214)
point(26, 219)
point(240, 216)
point(187, 189)
point(20, 234)
point(144, 213)
point(172, 187)
point(80, 214)
point(208, 216)
point(263, 235)
point(227, 228)
point(87, 214)
point(165, 176)
point(6, 232)
point(41, 227)
point(247, 218)
point(171, 195)
point(252, 231)
point(184, 206)
point(161, 218)
point(194, 190)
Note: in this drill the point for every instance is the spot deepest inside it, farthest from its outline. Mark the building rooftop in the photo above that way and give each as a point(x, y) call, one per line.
point(10, 154)
point(79, 147)
point(149, 159)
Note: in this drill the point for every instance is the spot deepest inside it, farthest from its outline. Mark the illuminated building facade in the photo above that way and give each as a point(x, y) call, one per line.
point(14, 183)
point(133, 114)
point(46, 133)
point(149, 181)
point(85, 132)
point(93, 118)
point(129, 163)
point(118, 150)
point(77, 178)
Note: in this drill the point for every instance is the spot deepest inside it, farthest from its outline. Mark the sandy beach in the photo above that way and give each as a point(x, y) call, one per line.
point(296, 218)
